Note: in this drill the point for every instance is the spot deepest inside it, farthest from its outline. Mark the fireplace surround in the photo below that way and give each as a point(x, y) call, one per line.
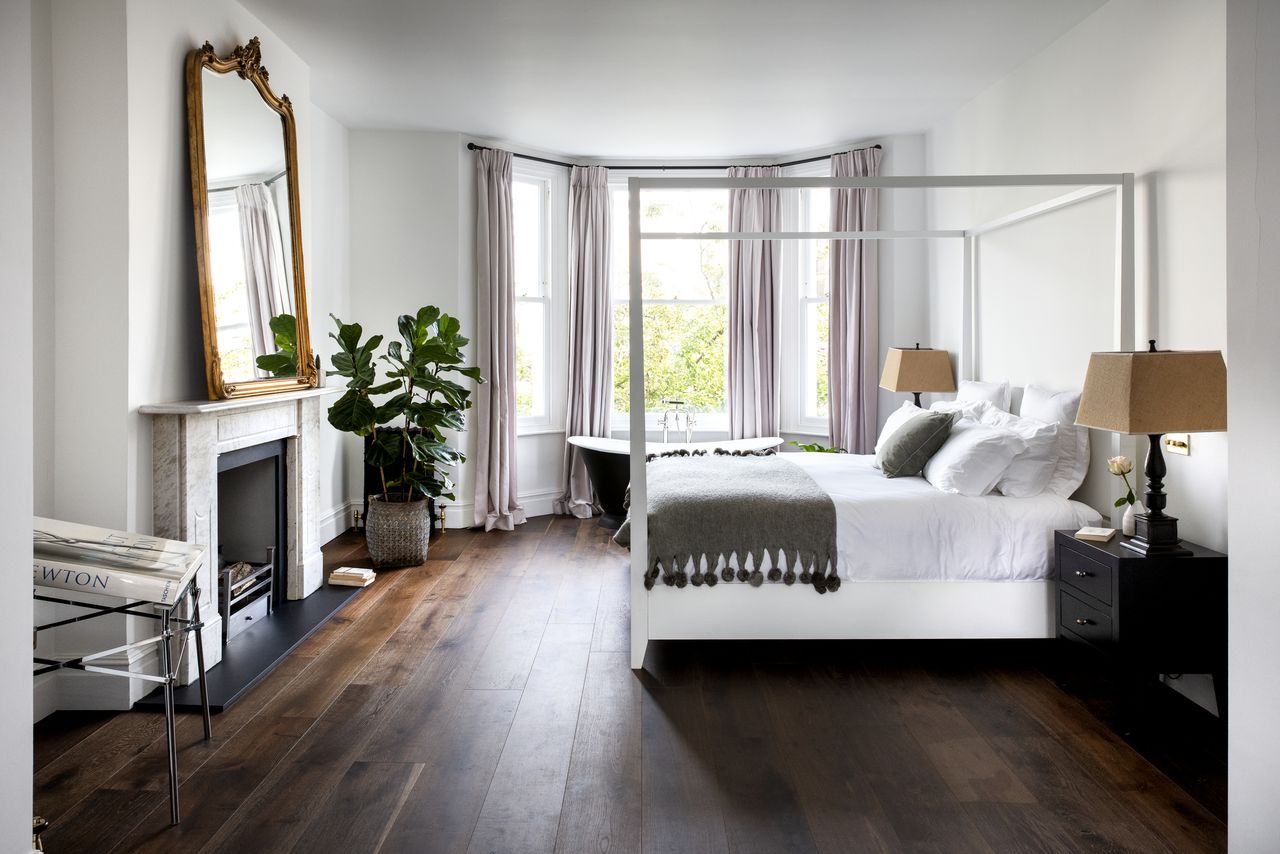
point(189, 437)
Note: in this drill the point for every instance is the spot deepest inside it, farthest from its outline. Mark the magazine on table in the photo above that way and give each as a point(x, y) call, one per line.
point(71, 556)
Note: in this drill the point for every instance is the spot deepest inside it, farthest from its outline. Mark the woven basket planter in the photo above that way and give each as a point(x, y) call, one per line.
point(398, 532)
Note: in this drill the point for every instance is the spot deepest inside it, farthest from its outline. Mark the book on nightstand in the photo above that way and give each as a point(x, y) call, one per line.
point(1097, 535)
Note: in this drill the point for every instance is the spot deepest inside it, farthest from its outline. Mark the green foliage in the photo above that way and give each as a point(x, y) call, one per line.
point(815, 448)
point(423, 396)
point(283, 362)
point(685, 351)
point(524, 379)
point(821, 337)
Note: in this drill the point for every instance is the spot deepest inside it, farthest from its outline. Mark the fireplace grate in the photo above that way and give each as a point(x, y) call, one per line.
point(245, 591)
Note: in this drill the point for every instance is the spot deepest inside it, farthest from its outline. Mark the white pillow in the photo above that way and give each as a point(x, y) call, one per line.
point(973, 458)
point(1073, 442)
point(896, 419)
point(1030, 471)
point(997, 394)
point(963, 408)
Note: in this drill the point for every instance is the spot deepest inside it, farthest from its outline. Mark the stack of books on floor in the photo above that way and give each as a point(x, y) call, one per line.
point(351, 576)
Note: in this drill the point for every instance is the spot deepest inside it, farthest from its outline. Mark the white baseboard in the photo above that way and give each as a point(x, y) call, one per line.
point(77, 690)
point(44, 696)
point(539, 503)
point(338, 520)
point(460, 514)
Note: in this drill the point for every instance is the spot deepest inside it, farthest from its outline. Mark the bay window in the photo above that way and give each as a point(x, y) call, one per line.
point(805, 306)
point(530, 214)
point(686, 305)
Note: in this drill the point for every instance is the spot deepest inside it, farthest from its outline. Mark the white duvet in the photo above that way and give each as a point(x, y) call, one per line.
point(904, 529)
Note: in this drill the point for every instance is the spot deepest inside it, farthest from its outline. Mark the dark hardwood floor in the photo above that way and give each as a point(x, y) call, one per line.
point(483, 702)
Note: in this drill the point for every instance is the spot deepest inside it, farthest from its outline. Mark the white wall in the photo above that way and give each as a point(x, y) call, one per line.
point(45, 346)
point(412, 233)
point(118, 311)
point(411, 244)
point(17, 264)
point(125, 309)
point(90, 319)
point(1253, 322)
point(904, 273)
point(329, 291)
point(165, 358)
point(1136, 87)
point(119, 141)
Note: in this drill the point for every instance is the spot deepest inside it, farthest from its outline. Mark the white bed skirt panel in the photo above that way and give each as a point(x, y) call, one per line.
point(866, 610)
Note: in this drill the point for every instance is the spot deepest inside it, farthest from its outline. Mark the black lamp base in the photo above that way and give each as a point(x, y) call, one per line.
point(1156, 536)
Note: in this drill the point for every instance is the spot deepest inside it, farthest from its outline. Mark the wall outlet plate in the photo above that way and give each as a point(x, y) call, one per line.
point(1177, 443)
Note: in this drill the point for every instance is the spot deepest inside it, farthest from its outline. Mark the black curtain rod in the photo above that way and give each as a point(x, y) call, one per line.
point(471, 146)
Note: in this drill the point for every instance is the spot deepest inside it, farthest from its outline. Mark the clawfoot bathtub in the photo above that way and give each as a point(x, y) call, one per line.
point(608, 463)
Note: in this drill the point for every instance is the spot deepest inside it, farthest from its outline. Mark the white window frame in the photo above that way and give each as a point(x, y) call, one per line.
point(554, 182)
point(704, 422)
point(793, 338)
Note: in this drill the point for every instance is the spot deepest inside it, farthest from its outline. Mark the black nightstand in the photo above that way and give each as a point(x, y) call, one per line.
point(1149, 615)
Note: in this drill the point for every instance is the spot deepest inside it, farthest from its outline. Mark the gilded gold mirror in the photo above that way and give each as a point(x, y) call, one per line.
point(244, 188)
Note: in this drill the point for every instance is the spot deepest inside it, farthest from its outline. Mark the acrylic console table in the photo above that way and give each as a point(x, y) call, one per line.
point(157, 580)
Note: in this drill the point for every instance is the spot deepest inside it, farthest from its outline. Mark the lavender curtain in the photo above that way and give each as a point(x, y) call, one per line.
point(753, 297)
point(854, 346)
point(496, 503)
point(270, 287)
point(590, 330)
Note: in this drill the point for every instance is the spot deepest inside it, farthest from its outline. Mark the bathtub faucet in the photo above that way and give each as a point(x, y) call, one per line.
point(671, 418)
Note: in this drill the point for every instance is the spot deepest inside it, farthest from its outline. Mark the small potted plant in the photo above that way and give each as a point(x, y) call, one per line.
point(1121, 467)
point(422, 396)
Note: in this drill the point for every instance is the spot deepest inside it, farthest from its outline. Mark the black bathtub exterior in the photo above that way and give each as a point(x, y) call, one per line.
point(610, 474)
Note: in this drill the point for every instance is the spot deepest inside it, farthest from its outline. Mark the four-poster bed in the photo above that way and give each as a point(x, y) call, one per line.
point(865, 609)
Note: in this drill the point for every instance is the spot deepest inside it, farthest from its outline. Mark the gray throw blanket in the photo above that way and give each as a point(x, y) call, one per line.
point(713, 507)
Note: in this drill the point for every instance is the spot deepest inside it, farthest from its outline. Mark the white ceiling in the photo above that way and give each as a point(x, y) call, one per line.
point(243, 136)
point(675, 78)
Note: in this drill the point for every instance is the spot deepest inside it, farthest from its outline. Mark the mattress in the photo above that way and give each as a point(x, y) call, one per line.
point(904, 529)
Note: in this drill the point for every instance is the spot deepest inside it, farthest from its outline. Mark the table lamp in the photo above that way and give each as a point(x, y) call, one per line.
point(1152, 393)
point(917, 370)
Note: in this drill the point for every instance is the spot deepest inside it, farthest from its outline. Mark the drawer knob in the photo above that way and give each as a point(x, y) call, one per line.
point(1083, 574)
point(1080, 621)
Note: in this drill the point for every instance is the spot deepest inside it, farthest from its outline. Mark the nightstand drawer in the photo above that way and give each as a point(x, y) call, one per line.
point(1080, 619)
point(1085, 574)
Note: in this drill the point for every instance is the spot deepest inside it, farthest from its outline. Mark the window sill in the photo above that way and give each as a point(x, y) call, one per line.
point(535, 430)
point(813, 432)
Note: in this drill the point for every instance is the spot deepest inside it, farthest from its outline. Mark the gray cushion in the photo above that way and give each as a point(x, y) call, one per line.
point(905, 452)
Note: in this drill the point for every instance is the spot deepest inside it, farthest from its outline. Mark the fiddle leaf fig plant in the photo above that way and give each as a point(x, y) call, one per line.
point(422, 368)
point(283, 362)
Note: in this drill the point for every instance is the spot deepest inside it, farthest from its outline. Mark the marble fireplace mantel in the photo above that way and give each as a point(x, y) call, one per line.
point(188, 437)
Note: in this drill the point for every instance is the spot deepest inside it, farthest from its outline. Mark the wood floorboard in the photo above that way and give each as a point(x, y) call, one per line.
point(59, 733)
point(762, 810)
point(840, 806)
point(218, 789)
point(681, 801)
point(483, 702)
point(1154, 800)
point(358, 812)
point(522, 809)
point(280, 808)
point(1084, 814)
point(602, 794)
point(147, 773)
point(962, 756)
point(440, 812)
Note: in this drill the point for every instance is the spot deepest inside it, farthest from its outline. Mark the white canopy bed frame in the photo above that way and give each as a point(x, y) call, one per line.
point(865, 609)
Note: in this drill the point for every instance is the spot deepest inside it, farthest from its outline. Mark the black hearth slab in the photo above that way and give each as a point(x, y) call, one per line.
point(255, 652)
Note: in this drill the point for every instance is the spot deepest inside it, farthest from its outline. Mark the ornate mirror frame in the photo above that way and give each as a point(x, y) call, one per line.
point(246, 61)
